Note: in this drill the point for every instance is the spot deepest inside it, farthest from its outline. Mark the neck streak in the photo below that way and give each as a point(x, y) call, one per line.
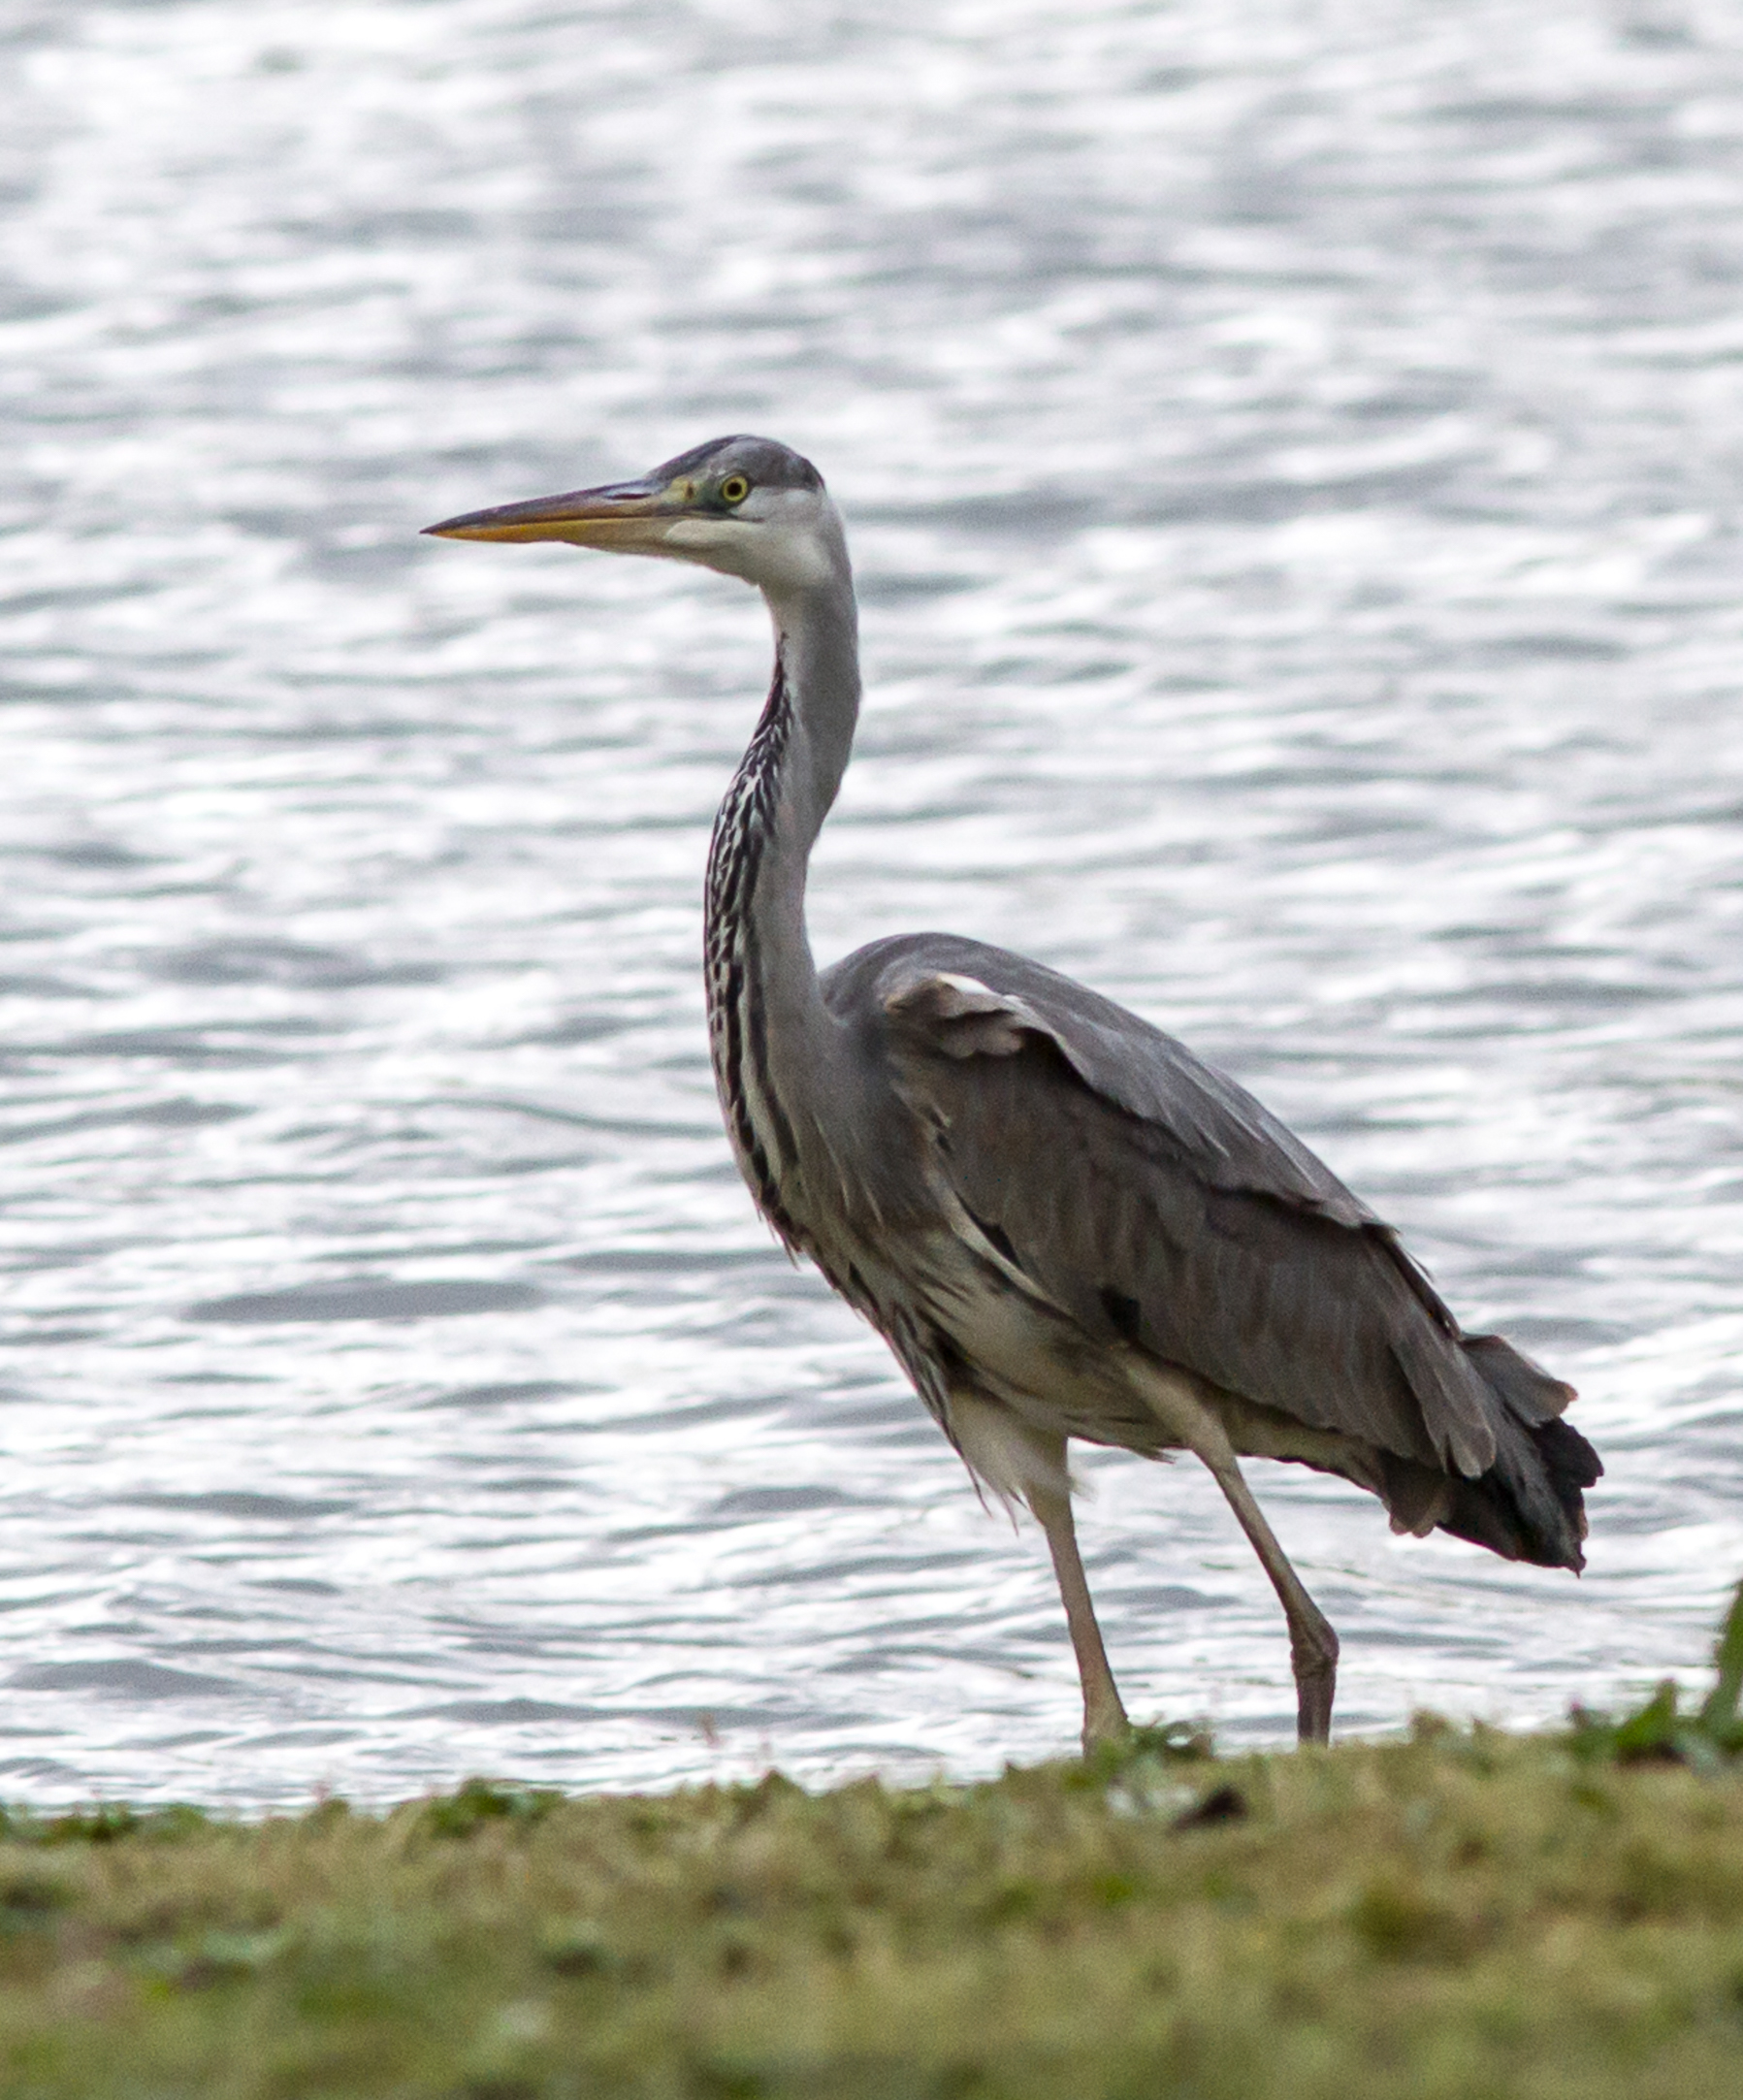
point(774, 1046)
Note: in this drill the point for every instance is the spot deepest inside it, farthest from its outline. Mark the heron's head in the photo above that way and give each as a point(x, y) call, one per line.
point(747, 506)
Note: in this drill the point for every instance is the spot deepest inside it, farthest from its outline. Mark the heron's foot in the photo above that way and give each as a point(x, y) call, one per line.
point(1105, 1722)
point(1315, 1661)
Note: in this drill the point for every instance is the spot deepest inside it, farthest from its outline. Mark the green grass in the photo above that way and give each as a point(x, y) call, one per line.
point(1459, 1917)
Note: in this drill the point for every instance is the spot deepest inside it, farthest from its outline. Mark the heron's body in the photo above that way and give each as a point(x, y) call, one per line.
point(1062, 1223)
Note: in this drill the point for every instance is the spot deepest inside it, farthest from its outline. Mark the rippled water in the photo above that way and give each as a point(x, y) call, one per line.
point(1291, 454)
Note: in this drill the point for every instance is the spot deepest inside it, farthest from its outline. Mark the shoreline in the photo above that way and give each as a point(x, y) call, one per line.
point(1466, 1913)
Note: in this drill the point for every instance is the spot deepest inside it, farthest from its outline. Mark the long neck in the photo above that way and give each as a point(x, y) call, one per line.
point(776, 1054)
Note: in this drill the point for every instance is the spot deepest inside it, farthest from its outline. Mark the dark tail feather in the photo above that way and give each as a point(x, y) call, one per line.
point(1529, 1505)
point(1528, 1390)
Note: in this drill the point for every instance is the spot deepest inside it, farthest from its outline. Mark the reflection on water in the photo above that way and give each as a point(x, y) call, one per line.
point(1291, 463)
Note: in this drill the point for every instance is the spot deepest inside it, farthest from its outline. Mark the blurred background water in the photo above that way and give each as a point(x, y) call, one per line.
point(1291, 454)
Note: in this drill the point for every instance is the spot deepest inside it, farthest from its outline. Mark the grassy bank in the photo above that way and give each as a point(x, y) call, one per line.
point(1460, 1914)
point(1465, 1914)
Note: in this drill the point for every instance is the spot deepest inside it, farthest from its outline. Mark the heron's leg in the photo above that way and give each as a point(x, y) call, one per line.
point(1104, 1713)
point(1312, 1644)
point(1020, 1458)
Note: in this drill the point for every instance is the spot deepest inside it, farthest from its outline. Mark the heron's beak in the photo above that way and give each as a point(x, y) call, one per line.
point(627, 515)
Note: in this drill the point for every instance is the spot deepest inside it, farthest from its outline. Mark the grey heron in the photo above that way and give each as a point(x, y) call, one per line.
point(1062, 1223)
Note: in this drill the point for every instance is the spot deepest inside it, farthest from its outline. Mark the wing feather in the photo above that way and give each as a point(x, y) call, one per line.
point(1158, 1202)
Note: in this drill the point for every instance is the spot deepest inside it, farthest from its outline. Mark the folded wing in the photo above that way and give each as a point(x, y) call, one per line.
point(1160, 1205)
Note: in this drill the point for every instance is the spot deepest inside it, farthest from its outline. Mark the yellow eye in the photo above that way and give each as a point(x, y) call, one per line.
point(734, 489)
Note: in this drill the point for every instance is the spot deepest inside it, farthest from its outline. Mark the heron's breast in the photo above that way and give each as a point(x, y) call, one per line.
point(981, 1332)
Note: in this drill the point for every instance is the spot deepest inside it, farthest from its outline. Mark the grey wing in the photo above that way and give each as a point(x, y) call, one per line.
point(1159, 1203)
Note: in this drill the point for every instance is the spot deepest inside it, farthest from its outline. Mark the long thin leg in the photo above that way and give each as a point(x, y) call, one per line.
point(1016, 1458)
point(1104, 1713)
point(1312, 1644)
